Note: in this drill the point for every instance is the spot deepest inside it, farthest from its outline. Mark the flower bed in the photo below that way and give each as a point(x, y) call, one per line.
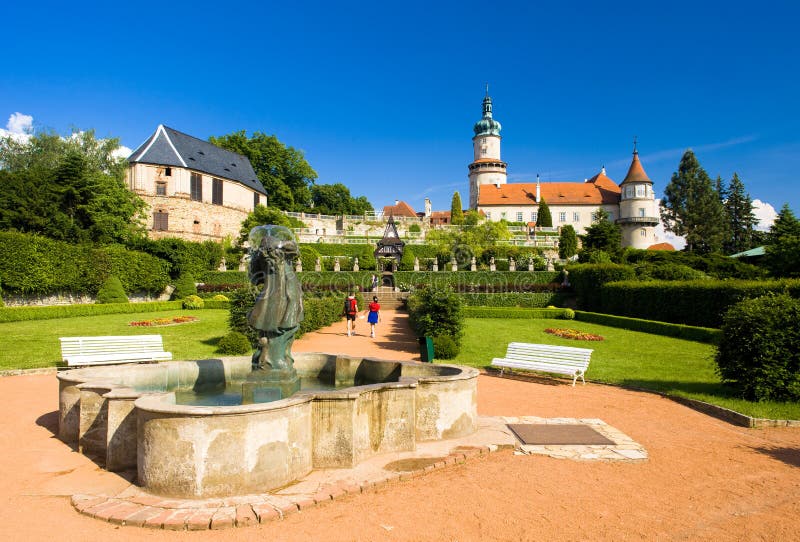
point(164, 321)
point(565, 333)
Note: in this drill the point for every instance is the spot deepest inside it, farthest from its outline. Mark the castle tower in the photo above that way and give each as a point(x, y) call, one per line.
point(638, 215)
point(487, 167)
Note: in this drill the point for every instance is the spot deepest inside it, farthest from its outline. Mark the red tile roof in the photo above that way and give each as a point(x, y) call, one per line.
point(598, 190)
point(661, 246)
point(401, 209)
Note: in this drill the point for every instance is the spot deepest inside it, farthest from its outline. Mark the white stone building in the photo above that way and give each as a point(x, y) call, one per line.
point(196, 191)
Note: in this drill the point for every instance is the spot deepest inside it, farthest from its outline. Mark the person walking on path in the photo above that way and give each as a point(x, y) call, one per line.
point(374, 315)
point(350, 312)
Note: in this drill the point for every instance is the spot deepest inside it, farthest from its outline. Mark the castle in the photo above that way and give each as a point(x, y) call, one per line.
point(631, 204)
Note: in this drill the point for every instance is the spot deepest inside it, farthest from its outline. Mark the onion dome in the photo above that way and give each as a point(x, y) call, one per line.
point(487, 125)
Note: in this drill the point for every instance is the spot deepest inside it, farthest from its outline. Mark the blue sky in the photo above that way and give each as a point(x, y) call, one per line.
point(382, 96)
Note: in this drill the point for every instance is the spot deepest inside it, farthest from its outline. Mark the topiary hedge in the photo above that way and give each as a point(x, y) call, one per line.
point(234, 344)
point(695, 303)
point(759, 354)
point(513, 299)
point(679, 331)
point(112, 292)
point(184, 287)
point(512, 312)
point(19, 314)
point(586, 280)
point(35, 265)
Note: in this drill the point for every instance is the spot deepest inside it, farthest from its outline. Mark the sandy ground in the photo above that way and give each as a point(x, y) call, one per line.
point(705, 479)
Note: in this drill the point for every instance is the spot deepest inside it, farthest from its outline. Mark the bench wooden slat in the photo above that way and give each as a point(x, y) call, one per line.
point(104, 350)
point(547, 358)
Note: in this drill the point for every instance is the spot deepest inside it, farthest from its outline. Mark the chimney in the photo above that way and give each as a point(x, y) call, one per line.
point(397, 202)
point(538, 191)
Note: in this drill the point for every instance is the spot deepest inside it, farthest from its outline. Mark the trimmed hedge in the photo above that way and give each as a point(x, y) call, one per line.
point(586, 280)
point(512, 312)
point(112, 292)
point(436, 311)
point(465, 281)
point(679, 331)
point(513, 299)
point(183, 257)
point(35, 265)
point(18, 314)
point(695, 303)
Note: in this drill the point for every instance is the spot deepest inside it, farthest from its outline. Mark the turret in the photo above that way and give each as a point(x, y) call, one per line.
point(637, 207)
point(487, 167)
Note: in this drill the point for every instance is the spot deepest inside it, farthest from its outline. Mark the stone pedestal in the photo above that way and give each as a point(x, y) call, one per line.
point(262, 382)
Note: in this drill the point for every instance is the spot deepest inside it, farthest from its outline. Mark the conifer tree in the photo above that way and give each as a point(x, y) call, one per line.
point(691, 207)
point(544, 219)
point(783, 251)
point(456, 212)
point(567, 242)
point(741, 219)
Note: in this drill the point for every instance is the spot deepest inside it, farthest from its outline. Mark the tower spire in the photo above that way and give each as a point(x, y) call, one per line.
point(635, 151)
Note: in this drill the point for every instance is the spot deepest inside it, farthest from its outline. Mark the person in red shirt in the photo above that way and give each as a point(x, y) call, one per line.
point(374, 316)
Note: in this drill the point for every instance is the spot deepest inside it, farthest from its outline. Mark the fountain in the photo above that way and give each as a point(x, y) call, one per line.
point(240, 425)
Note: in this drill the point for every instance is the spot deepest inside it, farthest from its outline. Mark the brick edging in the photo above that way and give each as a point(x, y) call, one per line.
point(140, 509)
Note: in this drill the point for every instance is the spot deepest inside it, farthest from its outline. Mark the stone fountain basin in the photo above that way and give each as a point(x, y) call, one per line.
point(126, 417)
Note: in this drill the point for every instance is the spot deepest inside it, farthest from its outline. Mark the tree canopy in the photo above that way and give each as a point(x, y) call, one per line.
point(284, 171)
point(265, 215)
point(603, 235)
point(692, 208)
point(69, 189)
point(783, 248)
point(741, 219)
point(335, 199)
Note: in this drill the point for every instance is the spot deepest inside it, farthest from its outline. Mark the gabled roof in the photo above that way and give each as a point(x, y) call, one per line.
point(401, 208)
point(169, 147)
point(598, 190)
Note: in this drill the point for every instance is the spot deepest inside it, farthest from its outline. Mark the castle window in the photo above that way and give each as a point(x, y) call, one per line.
point(503, 215)
point(562, 216)
point(642, 211)
point(629, 191)
point(534, 216)
point(196, 187)
point(576, 217)
point(161, 189)
point(160, 221)
point(256, 199)
point(519, 217)
point(216, 191)
point(643, 232)
point(489, 215)
point(640, 191)
point(168, 172)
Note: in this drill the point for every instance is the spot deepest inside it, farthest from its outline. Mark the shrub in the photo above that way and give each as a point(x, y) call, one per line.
point(568, 314)
point(668, 271)
point(436, 311)
point(184, 287)
point(242, 301)
point(220, 297)
point(587, 279)
point(512, 312)
point(234, 344)
point(193, 302)
point(759, 354)
point(445, 347)
point(111, 292)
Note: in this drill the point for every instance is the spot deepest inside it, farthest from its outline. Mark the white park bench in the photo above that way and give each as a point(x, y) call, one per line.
point(108, 350)
point(545, 358)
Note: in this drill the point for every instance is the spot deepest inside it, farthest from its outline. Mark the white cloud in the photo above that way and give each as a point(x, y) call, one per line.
point(122, 152)
point(19, 127)
point(765, 213)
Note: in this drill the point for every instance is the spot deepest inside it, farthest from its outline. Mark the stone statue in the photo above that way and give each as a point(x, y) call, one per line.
point(278, 309)
point(298, 266)
point(492, 266)
point(472, 264)
point(317, 265)
point(512, 265)
point(355, 263)
point(530, 264)
point(550, 266)
point(453, 263)
point(435, 264)
point(565, 282)
point(416, 263)
point(223, 266)
point(336, 266)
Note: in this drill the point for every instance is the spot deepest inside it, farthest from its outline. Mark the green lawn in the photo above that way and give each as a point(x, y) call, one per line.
point(25, 345)
point(627, 358)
